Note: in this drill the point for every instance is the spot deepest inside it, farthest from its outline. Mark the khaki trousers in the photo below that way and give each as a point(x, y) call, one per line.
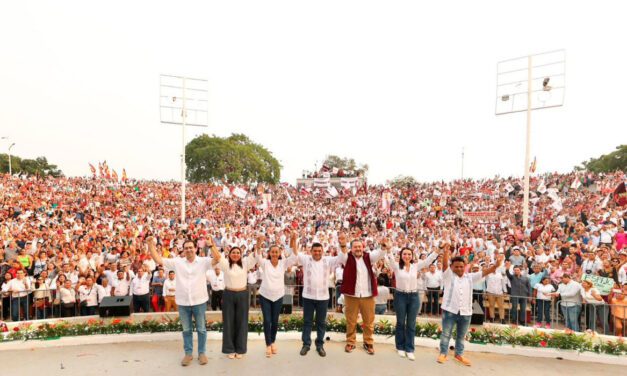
point(492, 301)
point(354, 306)
point(170, 304)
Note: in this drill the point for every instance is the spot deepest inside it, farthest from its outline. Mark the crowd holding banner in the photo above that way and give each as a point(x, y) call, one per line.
point(73, 241)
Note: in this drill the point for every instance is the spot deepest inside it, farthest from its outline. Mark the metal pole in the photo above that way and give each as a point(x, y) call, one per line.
point(184, 116)
point(10, 171)
point(526, 191)
point(462, 163)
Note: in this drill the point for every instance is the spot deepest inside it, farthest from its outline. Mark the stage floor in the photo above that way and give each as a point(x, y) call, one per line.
point(163, 358)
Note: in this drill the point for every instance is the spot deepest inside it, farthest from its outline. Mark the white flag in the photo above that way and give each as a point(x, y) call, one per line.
point(226, 191)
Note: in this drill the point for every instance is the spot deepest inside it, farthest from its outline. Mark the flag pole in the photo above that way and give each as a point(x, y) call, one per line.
point(526, 190)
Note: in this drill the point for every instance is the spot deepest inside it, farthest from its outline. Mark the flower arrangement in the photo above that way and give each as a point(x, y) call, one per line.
point(566, 340)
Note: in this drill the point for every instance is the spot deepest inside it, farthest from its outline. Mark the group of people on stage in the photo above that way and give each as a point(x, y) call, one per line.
point(359, 289)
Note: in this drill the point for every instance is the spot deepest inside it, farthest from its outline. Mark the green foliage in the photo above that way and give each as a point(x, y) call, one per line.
point(38, 166)
point(402, 180)
point(616, 160)
point(332, 161)
point(235, 159)
point(564, 340)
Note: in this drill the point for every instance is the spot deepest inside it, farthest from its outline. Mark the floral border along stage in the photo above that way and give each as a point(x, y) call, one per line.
point(564, 340)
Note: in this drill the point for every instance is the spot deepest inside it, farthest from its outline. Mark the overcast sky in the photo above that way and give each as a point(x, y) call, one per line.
point(399, 85)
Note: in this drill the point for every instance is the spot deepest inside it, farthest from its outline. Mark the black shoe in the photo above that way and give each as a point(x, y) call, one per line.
point(321, 351)
point(304, 350)
point(502, 322)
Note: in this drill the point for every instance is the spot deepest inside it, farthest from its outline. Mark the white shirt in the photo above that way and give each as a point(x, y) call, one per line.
point(339, 274)
point(235, 276)
point(140, 286)
point(67, 295)
point(433, 280)
point(457, 297)
point(496, 282)
point(315, 275)
point(90, 295)
point(252, 277)
point(272, 278)
point(591, 267)
point(544, 291)
point(363, 289)
point(121, 286)
point(190, 280)
point(383, 294)
point(169, 287)
point(103, 292)
point(407, 281)
point(20, 286)
point(216, 281)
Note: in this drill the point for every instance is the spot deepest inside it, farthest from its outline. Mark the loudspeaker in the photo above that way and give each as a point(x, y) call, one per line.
point(477, 314)
point(115, 306)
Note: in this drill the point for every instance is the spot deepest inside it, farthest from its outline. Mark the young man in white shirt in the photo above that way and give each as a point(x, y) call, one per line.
point(18, 287)
point(457, 302)
point(169, 293)
point(216, 279)
point(140, 289)
point(191, 293)
point(88, 296)
point(316, 269)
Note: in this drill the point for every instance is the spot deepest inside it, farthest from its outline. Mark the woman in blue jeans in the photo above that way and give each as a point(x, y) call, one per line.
point(406, 298)
point(272, 289)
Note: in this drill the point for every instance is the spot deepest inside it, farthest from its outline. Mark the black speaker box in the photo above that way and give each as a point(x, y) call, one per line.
point(115, 306)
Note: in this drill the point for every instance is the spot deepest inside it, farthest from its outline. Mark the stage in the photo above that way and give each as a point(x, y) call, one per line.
point(163, 358)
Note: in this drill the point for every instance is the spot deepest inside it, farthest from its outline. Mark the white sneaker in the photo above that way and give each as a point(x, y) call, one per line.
point(411, 356)
point(401, 353)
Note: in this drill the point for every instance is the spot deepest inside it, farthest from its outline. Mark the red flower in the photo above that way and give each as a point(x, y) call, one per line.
point(473, 330)
point(362, 324)
point(4, 329)
point(129, 321)
point(543, 343)
point(116, 321)
point(40, 327)
point(285, 321)
point(16, 329)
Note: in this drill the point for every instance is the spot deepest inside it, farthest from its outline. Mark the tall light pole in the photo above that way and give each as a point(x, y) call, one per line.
point(462, 163)
point(10, 147)
point(184, 101)
point(544, 77)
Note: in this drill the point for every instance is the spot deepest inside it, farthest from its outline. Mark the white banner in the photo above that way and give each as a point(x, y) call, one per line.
point(226, 191)
point(240, 193)
point(348, 182)
point(322, 182)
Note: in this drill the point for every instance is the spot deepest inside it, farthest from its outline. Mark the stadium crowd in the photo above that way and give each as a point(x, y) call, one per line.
point(67, 243)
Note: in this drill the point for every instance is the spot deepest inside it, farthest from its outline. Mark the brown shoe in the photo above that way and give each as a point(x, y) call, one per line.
point(202, 359)
point(369, 349)
point(349, 348)
point(186, 360)
point(441, 358)
point(463, 360)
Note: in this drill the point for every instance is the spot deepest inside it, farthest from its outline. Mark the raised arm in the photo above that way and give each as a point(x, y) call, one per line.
point(153, 250)
point(445, 256)
point(492, 269)
point(215, 254)
point(429, 260)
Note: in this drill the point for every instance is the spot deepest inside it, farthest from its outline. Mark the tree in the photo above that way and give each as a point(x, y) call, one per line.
point(333, 161)
point(38, 166)
point(616, 160)
point(235, 159)
point(402, 180)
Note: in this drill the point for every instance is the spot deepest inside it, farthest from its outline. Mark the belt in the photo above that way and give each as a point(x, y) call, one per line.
point(407, 291)
point(238, 290)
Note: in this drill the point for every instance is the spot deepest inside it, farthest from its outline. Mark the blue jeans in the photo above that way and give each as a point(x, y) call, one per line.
point(270, 311)
point(380, 309)
point(198, 312)
point(320, 308)
point(596, 312)
point(406, 305)
point(517, 317)
point(16, 303)
point(543, 308)
point(450, 320)
point(571, 317)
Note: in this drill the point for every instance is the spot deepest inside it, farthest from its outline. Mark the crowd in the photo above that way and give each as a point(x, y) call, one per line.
point(67, 243)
